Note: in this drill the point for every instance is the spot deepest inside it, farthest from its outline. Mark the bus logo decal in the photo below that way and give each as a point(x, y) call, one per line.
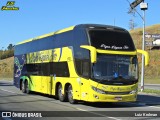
point(113, 47)
point(19, 66)
point(9, 6)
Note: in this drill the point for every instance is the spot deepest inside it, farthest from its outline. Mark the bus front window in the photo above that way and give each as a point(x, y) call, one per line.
point(115, 67)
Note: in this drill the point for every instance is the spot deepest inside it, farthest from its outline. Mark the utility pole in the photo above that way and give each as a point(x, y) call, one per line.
point(143, 6)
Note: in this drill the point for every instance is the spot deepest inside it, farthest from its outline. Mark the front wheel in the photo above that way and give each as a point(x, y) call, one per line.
point(70, 95)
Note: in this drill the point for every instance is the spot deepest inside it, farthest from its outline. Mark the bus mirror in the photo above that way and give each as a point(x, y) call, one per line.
point(146, 55)
point(93, 52)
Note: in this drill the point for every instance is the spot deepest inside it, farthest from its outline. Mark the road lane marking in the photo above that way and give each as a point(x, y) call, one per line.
point(94, 112)
point(7, 91)
point(114, 118)
point(145, 104)
point(154, 107)
point(81, 109)
point(103, 115)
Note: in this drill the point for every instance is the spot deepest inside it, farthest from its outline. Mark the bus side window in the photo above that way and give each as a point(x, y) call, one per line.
point(45, 69)
point(60, 69)
point(32, 69)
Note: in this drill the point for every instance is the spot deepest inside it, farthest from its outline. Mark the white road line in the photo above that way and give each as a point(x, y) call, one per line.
point(7, 91)
point(114, 118)
point(145, 104)
point(154, 107)
point(98, 114)
point(81, 109)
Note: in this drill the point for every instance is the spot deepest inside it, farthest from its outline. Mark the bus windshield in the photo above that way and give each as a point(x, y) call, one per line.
point(111, 40)
point(112, 67)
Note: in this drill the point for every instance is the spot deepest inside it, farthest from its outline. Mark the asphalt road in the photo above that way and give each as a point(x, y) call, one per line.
point(46, 107)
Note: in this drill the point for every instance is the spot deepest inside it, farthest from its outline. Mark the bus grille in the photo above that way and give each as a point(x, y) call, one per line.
point(117, 93)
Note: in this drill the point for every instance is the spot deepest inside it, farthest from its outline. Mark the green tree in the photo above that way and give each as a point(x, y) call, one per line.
point(10, 47)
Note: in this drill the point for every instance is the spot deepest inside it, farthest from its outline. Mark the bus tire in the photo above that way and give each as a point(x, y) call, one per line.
point(61, 97)
point(23, 87)
point(27, 87)
point(70, 95)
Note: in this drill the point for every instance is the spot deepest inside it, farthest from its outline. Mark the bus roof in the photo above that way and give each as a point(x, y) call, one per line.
point(47, 35)
point(101, 26)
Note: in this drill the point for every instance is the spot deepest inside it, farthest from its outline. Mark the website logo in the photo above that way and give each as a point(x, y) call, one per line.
point(10, 6)
point(6, 114)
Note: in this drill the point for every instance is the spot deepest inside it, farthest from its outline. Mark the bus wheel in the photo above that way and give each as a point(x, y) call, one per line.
point(61, 97)
point(70, 95)
point(27, 87)
point(23, 87)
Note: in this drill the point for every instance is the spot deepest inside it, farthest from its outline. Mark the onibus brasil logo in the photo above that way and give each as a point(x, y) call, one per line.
point(10, 6)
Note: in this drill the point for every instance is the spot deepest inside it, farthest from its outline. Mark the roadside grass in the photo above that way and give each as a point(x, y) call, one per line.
point(6, 69)
point(151, 80)
point(150, 91)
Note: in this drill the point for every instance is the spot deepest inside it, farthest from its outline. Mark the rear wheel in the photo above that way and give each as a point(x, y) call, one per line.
point(70, 95)
point(25, 87)
point(61, 97)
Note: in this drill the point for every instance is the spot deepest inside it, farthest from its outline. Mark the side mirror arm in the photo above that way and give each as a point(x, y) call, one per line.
point(146, 55)
point(93, 52)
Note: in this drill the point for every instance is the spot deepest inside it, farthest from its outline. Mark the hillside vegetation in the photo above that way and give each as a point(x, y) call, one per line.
point(152, 72)
point(6, 68)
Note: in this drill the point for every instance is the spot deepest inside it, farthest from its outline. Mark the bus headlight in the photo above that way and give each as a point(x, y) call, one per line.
point(134, 91)
point(98, 90)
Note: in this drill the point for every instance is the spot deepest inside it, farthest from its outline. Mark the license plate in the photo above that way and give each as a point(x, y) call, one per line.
point(118, 98)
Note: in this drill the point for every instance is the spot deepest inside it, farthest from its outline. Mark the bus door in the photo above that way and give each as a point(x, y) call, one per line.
point(84, 81)
point(50, 85)
point(45, 78)
point(51, 75)
point(84, 88)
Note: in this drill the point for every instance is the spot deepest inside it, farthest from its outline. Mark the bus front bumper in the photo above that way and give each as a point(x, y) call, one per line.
point(113, 98)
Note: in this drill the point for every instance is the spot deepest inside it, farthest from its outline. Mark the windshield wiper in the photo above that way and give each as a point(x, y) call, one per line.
point(102, 79)
point(119, 78)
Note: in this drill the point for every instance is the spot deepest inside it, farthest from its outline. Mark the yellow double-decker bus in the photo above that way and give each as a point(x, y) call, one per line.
point(88, 62)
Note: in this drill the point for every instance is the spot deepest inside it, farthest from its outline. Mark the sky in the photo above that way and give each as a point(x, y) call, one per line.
point(38, 17)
